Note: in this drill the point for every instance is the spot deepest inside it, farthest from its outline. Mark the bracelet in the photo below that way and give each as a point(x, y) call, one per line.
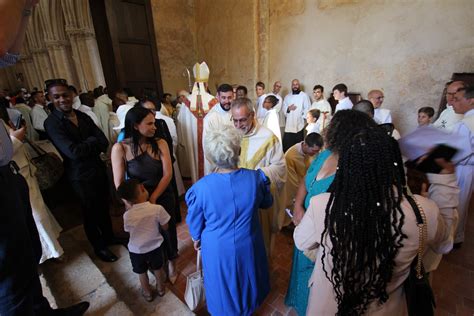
point(27, 12)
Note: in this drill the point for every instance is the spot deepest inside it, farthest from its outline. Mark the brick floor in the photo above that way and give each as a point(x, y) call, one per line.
point(453, 282)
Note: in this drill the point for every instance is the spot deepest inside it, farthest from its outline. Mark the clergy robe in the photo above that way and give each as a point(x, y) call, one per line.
point(325, 117)
point(102, 108)
point(382, 116)
point(464, 129)
point(297, 163)
point(344, 104)
point(278, 107)
point(272, 122)
point(260, 149)
point(190, 129)
point(260, 110)
point(447, 119)
point(215, 119)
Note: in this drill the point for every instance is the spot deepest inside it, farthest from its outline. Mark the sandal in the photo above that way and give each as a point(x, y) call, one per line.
point(163, 290)
point(147, 297)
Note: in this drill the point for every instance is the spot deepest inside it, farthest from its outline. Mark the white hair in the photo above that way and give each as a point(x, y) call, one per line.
point(222, 146)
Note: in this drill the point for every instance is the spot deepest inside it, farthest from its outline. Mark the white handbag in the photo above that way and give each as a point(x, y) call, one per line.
point(194, 295)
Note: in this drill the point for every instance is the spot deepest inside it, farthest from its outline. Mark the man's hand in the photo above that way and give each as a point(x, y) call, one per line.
point(197, 245)
point(292, 107)
point(19, 134)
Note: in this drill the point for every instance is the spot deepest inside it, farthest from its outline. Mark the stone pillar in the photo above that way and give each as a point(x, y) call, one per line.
point(43, 64)
point(262, 17)
point(59, 54)
point(86, 58)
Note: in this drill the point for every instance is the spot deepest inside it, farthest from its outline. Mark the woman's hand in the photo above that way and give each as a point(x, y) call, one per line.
point(153, 199)
point(19, 134)
point(298, 213)
point(197, 245)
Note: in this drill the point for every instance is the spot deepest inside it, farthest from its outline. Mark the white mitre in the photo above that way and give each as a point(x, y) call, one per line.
point(201, 75)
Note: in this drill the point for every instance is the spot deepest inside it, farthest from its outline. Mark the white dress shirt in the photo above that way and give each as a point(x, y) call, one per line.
point(38, 116)
point(344, 104)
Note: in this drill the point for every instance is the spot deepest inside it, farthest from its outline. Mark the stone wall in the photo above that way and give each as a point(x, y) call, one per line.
point(407, 48)
point(175, 29)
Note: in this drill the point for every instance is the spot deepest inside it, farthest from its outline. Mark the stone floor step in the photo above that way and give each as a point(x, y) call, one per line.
point(111, 288)
point(79, 279)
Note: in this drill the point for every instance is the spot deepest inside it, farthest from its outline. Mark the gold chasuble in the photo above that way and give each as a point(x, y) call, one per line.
point(261, 149)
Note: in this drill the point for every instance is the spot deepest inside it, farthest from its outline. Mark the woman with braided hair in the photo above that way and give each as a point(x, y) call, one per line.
point(365, 231)
point(318, 180)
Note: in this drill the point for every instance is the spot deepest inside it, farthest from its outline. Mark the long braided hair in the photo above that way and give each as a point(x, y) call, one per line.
point(364, 219)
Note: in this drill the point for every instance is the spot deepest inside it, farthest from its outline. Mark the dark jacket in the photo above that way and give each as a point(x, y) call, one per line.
point(80, 145)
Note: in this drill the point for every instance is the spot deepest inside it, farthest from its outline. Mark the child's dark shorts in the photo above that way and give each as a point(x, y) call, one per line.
point(141, 262)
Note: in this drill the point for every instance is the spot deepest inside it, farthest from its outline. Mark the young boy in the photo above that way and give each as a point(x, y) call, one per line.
point(425, 114)
point(312, 119)
point(142, 220)
point(270, 119)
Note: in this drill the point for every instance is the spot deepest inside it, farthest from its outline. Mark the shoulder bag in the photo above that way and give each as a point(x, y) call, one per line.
point(49, 167)
point(419, 295)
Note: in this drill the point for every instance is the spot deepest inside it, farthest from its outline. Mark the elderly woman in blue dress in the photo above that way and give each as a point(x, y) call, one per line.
point(223, 220)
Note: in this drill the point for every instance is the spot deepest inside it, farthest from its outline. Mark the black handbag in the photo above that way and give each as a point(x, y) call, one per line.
point(49, 167)
point(419, 295)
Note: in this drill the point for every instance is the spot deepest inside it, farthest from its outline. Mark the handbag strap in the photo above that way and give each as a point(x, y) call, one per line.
point(198, 261)
point(422, 233)
point(40, 151)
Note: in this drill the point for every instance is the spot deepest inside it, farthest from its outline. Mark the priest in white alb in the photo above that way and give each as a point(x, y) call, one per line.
point(218, 116)
point(261, 149)
point(191, 123)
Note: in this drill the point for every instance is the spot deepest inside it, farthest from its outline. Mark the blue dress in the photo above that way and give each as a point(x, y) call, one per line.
point(223, 214)
point(302, 268)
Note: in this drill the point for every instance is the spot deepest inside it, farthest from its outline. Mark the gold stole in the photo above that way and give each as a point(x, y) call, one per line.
point(259, 154)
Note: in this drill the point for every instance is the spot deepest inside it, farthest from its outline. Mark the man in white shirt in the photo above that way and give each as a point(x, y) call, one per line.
point(323, 106)
point(39, 113)
point(381, 116)
point(448, 118)
point(218, 116)
point(77, 105)
point(260, 92)
point(281, 115)
point(463, 103)
point(295, 106)
point(340, 94)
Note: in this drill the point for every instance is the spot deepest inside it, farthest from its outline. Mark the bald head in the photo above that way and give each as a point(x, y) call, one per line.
point(376, 97)
point(364, 106)
point(295, 85)
point(451, 90)
point(276, 87)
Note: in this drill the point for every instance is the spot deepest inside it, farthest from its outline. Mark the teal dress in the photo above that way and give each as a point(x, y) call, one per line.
point(302, 268)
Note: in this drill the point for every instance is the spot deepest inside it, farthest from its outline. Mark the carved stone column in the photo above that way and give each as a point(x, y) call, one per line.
point(59, 52)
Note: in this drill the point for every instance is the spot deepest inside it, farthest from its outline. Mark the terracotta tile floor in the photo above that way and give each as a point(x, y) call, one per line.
point(453, 282)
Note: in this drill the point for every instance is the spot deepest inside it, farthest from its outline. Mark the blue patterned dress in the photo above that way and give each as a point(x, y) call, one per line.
point(302, 267)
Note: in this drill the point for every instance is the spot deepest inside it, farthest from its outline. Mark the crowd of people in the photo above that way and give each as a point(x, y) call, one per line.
point(334, 172)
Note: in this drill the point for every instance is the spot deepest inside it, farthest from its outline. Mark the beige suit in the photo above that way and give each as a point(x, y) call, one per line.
point(308, 234)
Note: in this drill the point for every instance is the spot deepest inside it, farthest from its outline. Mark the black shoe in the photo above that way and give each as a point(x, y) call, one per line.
point(118, 241)
point(74, 310)
point(457, 245)
point(106, 255)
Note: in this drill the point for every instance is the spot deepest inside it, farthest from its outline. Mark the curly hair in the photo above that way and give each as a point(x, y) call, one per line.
point(364, 219)
point(343, 123)
point(222, 146)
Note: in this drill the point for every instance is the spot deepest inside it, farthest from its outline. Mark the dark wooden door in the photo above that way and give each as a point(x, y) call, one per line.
point(127, 45)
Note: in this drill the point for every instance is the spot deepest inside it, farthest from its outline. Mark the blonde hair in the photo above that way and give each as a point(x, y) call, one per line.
point(222, 146)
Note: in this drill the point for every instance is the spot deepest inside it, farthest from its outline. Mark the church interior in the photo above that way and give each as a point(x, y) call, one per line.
point(407, 49)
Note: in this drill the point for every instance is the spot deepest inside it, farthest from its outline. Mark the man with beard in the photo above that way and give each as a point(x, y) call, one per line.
point(295, 106)
point(81, 142)
point(261, 149)
point(218, 116)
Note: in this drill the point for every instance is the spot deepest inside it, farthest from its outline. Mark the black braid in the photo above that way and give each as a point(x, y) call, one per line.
point(364, 219)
